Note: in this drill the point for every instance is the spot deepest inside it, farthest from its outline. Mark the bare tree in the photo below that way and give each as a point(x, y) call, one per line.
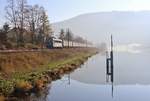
point(62, 35)
point(69, 36)
point(46, 29)
point(22, 13)
point(11, 16)
point(11, 13)
point(38, 22)
point(34, 19)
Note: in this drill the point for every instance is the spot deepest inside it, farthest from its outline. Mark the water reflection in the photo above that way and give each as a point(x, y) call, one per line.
point(128, 67)
point(86, 92)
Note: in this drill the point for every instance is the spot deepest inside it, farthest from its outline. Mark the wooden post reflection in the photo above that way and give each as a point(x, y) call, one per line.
point(69, 82)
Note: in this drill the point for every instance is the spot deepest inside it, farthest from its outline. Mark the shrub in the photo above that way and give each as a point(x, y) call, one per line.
point(6, 86)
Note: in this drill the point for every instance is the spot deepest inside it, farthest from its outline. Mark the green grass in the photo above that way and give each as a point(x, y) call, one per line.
point(53, 65)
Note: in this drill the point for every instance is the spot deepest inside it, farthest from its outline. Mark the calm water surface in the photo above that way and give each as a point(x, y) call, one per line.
point(88, 83)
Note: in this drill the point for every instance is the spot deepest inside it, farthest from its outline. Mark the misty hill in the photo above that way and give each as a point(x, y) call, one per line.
point(126, 27)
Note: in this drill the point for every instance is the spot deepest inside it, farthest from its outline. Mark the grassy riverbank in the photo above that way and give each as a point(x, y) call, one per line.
point(26, 72)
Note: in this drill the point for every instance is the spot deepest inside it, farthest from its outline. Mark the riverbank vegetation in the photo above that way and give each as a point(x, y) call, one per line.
point(23, 73)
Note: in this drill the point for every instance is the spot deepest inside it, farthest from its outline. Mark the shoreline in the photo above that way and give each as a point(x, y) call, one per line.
point(23, 84)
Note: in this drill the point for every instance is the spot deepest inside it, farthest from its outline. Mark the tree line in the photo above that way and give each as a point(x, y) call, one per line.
point(28, 25)
point(69, 36)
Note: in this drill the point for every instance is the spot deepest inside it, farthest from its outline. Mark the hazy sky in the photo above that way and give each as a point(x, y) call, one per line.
point(59, 10)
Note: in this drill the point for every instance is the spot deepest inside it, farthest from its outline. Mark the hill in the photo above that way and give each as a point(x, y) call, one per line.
point(126, 27)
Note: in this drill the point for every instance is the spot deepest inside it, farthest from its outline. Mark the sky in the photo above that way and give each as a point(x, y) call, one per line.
point(59, 10)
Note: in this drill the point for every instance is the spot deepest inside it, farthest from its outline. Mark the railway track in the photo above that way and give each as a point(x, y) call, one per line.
point(15, 51)
point(33, 50)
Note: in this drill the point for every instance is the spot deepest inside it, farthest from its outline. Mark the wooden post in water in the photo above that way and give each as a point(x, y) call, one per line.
point(112, 63)
point(109, 62)
point(107, 66)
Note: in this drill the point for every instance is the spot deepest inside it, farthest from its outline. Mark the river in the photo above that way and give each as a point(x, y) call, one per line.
point(88, 83)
